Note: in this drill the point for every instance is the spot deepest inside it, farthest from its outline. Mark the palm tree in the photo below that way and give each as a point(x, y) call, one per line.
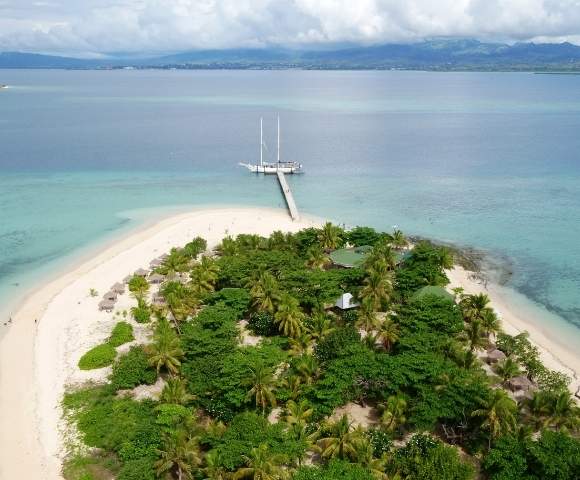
point(180, 301)
point(228, 247)
point(165, 351)
point(308, 368)
point(393, 412)
point(445, 258)
point(340, 441)
point(562, 412)
point(489, 322)
point(366, 318)
point(473, 335)
point(214, 469)
point(175, 391)
point(316, 258)
point(289, 317)
point(262, 465)
point(179, 454)
point(139, 287)
point(262, 384)
point(174, 263)
point(298, 413)
point(301, 345)
point(377, 288)
point(508, 369)
point(388, 333)
point(474, 306)
point(399, 240)
point(329, 236)
point(320, 326)
point(277, 240)
point(365, 457)
point(294, 384)
point(264, 291)
point(498, 415)
point(204, 276)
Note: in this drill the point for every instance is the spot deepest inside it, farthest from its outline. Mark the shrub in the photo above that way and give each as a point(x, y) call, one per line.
point(141, 314)
point(336, 342)
point(122, 333)
point(237, 299)
point(140, 469)
point(98, 357)
point(334, 470)
point(132, 369)
point(262, 323)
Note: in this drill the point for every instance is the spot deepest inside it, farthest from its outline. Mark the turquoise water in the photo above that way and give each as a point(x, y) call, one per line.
point(489, 160)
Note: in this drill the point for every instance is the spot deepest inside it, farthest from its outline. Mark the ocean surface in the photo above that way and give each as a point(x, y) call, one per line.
point(489, 160)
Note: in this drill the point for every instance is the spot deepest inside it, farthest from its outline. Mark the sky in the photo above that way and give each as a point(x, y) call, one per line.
point(93, 28)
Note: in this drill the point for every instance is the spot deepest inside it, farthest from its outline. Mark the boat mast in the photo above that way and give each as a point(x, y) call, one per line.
point(278, 138)
point(261, 141)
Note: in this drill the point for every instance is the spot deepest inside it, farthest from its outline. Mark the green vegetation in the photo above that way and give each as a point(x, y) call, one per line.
point(98, 357)
point(410, 356)
point(122, 333)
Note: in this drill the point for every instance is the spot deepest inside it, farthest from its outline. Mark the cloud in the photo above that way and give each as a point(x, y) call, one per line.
point(155, 26)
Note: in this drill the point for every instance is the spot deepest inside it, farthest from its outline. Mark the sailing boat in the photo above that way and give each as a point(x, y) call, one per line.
point(272, 167)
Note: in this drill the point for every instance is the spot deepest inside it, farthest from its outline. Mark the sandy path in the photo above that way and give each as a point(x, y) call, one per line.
point(37, 359)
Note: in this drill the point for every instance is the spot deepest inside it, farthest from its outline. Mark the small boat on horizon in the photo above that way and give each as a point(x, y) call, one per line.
point(272, 167)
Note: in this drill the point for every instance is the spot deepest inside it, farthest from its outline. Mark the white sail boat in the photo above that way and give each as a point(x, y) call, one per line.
point(272, 167)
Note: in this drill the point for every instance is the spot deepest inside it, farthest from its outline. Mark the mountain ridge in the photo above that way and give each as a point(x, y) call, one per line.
point(439, 54)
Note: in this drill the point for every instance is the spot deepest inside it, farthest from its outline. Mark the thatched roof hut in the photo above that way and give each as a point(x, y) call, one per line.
point(520, 384)
point(127, 279)
point(118, 288)
point(159, 300)
point(155, 262)
point(106, 305)
point(141, 272)
point(111, 296)
point(156, 278)
point(494, 355)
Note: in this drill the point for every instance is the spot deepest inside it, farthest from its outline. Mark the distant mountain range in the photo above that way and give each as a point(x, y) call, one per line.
point(440, 55)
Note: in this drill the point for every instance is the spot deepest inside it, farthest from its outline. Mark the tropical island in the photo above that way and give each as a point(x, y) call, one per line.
point(254, 367)
point(240, 349)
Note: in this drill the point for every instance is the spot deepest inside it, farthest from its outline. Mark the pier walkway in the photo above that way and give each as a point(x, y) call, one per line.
point(288, 196)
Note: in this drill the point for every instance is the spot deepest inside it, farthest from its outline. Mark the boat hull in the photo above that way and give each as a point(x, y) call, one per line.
point(273, 169)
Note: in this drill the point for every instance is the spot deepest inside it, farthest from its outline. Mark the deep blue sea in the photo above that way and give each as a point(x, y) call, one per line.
point(490, 160)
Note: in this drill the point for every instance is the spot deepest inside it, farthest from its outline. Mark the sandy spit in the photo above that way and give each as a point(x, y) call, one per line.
point(60, 321)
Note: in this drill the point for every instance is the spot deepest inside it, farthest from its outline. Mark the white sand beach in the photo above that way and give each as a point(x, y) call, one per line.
point(554, 355)
point(61, 321)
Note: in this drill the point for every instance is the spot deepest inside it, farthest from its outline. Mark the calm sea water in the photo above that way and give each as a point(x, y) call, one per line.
point(490, 160)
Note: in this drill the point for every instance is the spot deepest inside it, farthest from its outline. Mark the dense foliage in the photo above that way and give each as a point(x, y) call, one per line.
point(250, 371)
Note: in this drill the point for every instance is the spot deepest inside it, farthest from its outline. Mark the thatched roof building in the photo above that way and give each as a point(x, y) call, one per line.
point(118, 288)
point(156, 278)
point(111, 296)
point(494, 355)
point(520, 384)
point(106, 305)
point(141, 272)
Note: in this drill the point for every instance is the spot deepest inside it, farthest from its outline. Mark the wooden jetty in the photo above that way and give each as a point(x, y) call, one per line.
point(288, 196)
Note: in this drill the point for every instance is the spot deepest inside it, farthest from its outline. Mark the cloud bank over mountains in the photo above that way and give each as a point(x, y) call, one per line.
point(97, 27)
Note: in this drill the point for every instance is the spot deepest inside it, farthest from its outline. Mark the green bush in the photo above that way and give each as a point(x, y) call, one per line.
point(98, 357)
point(140, 469)
point(141, 314)
point(122, 333)
point(262, 323)
point(132, 369)
point(237, 299)
point(334, 344)
point(334, 470)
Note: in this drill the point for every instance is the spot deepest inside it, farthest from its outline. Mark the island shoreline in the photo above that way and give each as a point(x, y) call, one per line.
point(40, 337)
